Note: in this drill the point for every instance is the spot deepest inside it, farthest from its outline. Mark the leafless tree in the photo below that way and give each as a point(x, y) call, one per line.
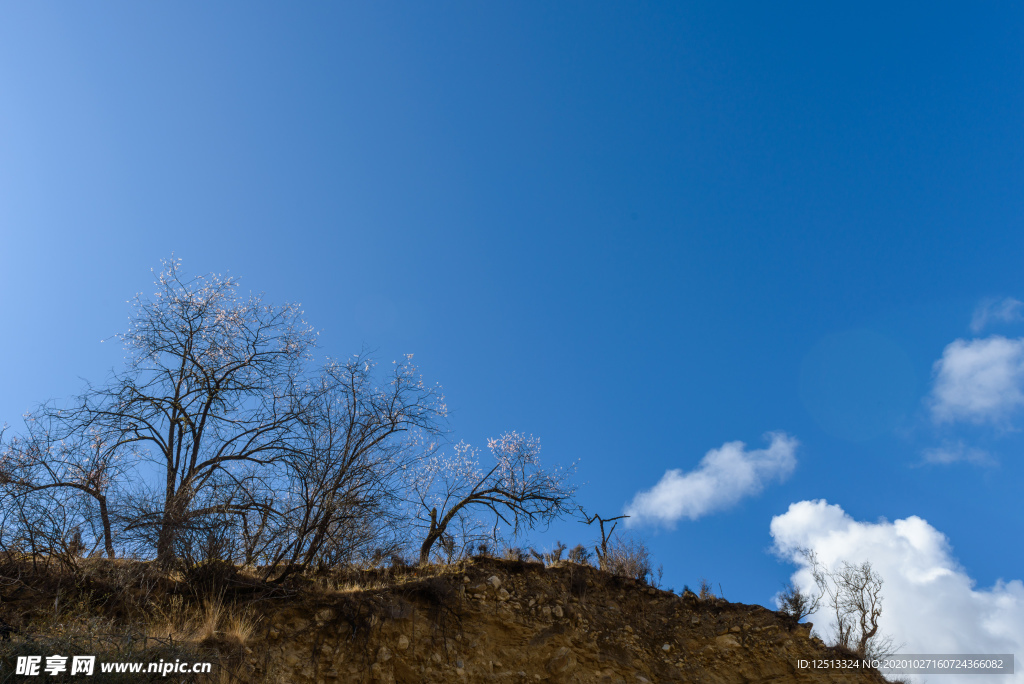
point(65, 471)
point(606, 535)
point(515, 490)
point(344, 476)
point(853, 595)
point(213, 383)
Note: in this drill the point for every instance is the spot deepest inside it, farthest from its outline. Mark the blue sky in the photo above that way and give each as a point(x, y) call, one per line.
point(638, 231)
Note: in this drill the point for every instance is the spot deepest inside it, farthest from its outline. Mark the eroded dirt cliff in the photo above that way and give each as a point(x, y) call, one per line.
point(488, 620)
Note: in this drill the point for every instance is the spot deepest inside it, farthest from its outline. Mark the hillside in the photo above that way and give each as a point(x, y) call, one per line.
point(482, 620)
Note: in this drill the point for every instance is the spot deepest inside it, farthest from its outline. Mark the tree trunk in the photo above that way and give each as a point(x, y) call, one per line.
point(169, 526)
point(165, 542)
point(432, 536)
point(108, 538)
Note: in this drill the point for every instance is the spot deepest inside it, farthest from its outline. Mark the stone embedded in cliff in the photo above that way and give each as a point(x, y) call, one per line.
point(403, 642)
point(503, 595)
point(727, 641)
point(563, 661)
point(383, 654)
point(494, 581)
point(557, 611)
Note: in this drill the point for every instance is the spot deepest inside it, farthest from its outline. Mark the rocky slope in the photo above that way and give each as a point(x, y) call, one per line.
point(488, 620)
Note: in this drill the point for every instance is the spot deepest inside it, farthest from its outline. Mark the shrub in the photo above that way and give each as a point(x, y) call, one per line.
point(628, 558)
point(794, 603)
point(580, 554)
point(515, 553)
point(211, 577)
point(549, 557)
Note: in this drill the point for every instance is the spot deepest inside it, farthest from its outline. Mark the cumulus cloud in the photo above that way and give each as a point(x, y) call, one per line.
point(979, 380)
point(955, 452)
point(931, 604)
point(723, 477)
point(1006, 310)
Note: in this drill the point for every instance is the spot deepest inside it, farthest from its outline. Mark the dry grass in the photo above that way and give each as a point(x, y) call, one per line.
point(241, 626)
point(628, 558)
point(208, 620)
point(210, 623)
point(121, 611)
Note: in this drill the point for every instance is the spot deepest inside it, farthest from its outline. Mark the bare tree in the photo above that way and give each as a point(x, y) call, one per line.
point(215, 393)
point(606, 535)
point(515, 490)
point(853, 595)
point(73, 470)
point(343, 478)
point(213, 383)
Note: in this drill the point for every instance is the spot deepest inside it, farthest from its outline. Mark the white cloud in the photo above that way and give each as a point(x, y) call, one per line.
point(931, 604)
point(1007, 311)
point(724, 476)
point(979, 380)
point(954, 452)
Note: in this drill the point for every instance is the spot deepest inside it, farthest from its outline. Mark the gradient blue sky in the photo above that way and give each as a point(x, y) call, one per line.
point(636, 230)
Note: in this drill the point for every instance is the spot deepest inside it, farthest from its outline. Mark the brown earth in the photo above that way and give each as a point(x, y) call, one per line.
point(480, 620)
point(488, 620)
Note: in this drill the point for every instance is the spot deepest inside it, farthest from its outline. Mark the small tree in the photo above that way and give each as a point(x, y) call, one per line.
point(606, 535)
point(515, 490)
point(853, 595)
